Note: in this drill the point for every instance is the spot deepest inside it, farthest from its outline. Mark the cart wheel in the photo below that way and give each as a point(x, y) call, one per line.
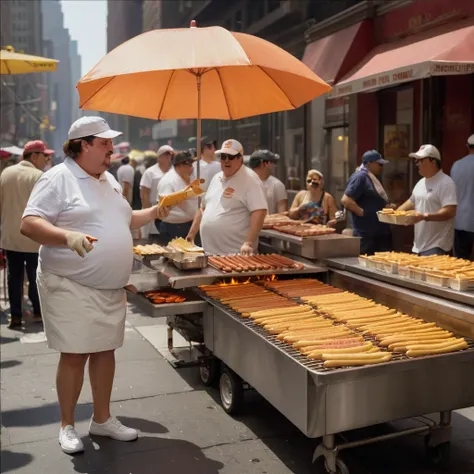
point(341, 467)
point(231, 391)
point(209, 372)
point(438, 454)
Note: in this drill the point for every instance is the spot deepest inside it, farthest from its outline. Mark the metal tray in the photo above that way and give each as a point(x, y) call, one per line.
point(182, 262)
point(193, 304)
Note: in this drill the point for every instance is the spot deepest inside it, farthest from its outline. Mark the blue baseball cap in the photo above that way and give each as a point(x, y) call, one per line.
point(373, 155)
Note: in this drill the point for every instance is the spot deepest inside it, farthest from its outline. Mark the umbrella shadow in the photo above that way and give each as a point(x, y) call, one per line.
point(12, 461)
point(148, 455)
point(6, 364)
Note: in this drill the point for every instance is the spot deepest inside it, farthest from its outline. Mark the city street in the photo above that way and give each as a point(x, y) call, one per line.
point(183, 428)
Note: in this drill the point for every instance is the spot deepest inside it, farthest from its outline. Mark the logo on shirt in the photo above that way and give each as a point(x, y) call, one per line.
point(228, 192)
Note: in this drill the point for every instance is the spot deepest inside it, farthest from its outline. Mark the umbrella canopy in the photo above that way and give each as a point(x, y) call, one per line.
point(164, 74)
point(17, 63)
point(13, 150)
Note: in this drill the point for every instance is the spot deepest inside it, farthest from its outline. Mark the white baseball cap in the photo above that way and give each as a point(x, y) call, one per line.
point(165, 149)
point(470, 140)
point(231, 147)
point(426, 151)
point(91, 126)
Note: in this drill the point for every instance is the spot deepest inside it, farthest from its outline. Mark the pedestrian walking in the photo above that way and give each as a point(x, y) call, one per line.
point(16, 184)
point(79, 206)
point(462, 174)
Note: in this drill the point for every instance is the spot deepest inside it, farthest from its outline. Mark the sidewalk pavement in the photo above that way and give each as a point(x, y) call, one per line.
point(182, 427)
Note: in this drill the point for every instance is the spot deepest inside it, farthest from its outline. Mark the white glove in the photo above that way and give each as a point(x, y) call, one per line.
point(79, 242)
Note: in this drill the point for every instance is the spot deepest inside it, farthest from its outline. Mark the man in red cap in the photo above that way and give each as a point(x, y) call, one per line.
point(16, 184)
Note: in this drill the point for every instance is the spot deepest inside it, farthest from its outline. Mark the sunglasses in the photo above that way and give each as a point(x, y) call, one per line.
point(225, 156)
point(312, 181)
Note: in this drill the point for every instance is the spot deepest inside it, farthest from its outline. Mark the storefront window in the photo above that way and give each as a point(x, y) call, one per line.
point(339, 162)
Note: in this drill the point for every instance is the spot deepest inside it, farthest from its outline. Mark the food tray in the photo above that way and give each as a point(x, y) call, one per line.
point(363, 261)
point(416, 274)
point(404, 271)
point(437, 280)
point(461, 285)
point(396, 220)
point(391, 267)
point(184, 262)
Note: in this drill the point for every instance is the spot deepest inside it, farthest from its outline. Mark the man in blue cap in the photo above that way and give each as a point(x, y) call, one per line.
point(364, 197)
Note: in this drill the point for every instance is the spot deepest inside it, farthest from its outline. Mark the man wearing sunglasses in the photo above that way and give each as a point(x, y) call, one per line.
point(434, 200)
point(234, 207)
point(178, 222)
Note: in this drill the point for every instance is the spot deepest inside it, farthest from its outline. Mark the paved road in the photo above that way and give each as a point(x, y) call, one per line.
point(183, 428)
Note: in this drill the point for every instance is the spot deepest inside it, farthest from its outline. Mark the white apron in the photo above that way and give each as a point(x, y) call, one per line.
point(79, 319)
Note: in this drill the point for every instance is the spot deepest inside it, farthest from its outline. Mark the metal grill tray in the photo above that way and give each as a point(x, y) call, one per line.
point(322, 401)
point(317, 366)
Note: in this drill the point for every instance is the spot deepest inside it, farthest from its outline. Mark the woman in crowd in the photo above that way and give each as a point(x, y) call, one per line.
point(315, 204)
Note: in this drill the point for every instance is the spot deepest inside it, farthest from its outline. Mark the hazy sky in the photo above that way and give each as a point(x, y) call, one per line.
point(87, 24)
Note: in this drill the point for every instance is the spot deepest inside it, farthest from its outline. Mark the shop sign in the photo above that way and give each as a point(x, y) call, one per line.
point(337, 110)
point(399, 76)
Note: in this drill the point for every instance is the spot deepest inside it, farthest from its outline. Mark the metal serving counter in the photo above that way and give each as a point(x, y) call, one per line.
point(324, 402)
point(352, 265)
point(207, 276)
point(317, 247)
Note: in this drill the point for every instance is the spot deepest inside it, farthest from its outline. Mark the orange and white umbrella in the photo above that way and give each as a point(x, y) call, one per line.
point(198, 73)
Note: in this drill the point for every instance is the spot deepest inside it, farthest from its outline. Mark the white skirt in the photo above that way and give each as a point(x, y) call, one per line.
point(79, 319)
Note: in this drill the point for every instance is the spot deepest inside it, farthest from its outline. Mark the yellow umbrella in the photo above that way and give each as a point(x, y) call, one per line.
point(195, 73)
point(17, 63)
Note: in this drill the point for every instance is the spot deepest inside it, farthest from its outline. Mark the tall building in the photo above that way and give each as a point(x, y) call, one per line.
point(21, 28)
point(152, 14)
point(61, 81)
point(75, 76)
point(124, 21)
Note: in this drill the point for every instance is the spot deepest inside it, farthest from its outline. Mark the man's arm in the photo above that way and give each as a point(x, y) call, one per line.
point(256, 223)
point(444, 214)
point(282, 206)
point(407, 206)
point(144, 216)
point(352, 206)
point(145, 197)
point(195, 225)
point(42, 231)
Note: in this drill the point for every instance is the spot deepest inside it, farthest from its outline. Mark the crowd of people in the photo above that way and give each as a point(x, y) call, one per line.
point(72, 228)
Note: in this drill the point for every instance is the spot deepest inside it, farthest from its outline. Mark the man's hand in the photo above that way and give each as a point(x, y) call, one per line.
point(246, 249)
point(80, 243)
point(418, 217)
point(190, 238)
point(162, 212)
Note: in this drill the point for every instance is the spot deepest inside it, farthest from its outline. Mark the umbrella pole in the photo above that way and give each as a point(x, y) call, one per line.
point(198, 131)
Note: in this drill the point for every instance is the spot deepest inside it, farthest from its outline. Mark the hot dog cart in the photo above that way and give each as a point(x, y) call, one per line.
point(324, 402)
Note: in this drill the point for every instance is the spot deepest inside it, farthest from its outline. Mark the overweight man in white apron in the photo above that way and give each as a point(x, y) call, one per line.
point(79, 206)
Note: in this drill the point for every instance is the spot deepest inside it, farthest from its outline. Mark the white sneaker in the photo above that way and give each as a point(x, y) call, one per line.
point(69, 440)
point(113, 429)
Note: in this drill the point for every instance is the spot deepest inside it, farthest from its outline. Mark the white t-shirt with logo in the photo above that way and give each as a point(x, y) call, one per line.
point(429, 196)
point(69, 198)
point(207, 171)
point(126, 174)
point(275, 192)
point(228, 205)
point(183, 212)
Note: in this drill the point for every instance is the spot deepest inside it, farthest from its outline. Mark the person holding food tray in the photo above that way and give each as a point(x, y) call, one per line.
point(79, 216)
point(434, 200)
point(364, 197)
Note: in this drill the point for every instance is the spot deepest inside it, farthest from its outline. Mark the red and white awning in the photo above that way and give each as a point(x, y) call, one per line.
point(443, 53)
